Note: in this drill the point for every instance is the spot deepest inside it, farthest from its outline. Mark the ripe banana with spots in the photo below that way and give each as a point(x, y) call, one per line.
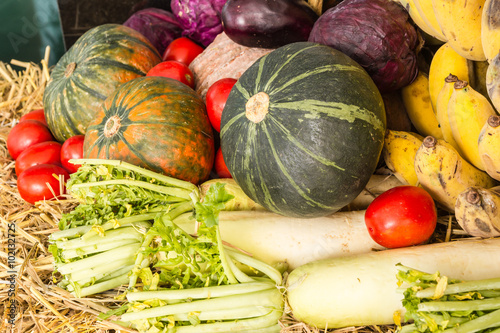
point(442, 110)
point(399, 152)
point(426, 12)
point(443, 173)
point(489, 146)
point(490, 28)
point(493, 81)
point(460, 22)
point(468, 111)
point(477, 211)
point(446, 61)
point(418, 105)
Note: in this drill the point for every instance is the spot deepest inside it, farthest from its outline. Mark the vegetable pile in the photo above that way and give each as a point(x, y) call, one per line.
point(251, 166)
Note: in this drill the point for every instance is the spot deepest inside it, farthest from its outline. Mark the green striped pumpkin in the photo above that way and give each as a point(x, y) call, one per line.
point(100, 60)
point(302, 130)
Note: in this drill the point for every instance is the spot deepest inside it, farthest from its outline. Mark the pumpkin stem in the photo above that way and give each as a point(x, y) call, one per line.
point(70, 69)
point(112, 126)
point(257, 107)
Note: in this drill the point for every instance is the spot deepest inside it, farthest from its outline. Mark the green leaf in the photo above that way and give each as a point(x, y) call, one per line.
point(215, 199)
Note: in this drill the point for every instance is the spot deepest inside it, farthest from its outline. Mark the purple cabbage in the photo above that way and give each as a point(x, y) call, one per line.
point(200, 19)
point(377, 34)
point(159, 26)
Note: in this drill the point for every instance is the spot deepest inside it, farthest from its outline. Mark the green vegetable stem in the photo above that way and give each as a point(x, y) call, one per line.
point(436, 303)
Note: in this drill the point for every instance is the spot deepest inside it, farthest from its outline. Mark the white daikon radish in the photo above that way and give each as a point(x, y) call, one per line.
point(274, 238)
point(361, 289)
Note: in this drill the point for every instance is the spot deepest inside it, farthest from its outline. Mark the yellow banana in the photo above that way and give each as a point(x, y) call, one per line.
point(418, 106)
point(477, 211)
point(490, 28)
point(444, 62)
point(443, 173)
point(442, 110)
point(468, 111)
point(409, 5)
point(424, 8)
point(399, 152)
point(460, 22)
point(493, 81)
point(489, 146)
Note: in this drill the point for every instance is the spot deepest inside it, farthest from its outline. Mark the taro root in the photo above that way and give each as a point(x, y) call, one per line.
point(159, 26)
point(377, 34)
point(223, 58)
point(200, 19)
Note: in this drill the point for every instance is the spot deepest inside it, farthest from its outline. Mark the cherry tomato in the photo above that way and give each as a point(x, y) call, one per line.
point(402, 216)
point(182, 50)
point(216, 99)
point(47, 152)
point(35, 115)
point(25, 134)
point(72, 148)
point(220, 166)
point(32, 182)
point(174, 70)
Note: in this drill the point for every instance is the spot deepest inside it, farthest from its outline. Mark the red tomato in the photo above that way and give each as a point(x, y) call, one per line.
point(220, 165)
point(174, 70)
point(216, 99)
point(402, 216)
point(32, 183)
point(47, 152)
point(26, 134)
point(182, 50)
point(35, 115)
point(72, 148)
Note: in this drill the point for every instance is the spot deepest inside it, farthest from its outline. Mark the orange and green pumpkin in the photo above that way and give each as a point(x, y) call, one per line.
point(302, 130)
point(155, 122)
point(103, 58)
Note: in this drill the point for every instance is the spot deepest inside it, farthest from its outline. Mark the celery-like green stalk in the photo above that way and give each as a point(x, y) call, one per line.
point(197, 293)
point(263, 298)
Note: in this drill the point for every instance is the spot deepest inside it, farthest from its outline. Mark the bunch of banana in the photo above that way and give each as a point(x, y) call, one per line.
point(468, 111)
point(443, 173)
point(399, 152)
point(489, 146)
point(417, 101)
point(466, 25)
point(477, 211)
point(446, 61)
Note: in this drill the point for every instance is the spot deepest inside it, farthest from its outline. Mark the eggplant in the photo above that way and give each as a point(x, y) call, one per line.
point(267, 23)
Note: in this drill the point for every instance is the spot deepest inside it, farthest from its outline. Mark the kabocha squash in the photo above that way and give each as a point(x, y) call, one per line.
point(100, 60)
point(155, 122)
point(302, 130)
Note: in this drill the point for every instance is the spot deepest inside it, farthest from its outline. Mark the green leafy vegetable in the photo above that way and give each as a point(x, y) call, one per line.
point(124, 232)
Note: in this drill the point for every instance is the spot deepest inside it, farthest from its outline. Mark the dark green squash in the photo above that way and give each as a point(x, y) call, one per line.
point(302, 130)
point(100, 60)
point(157, 123)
